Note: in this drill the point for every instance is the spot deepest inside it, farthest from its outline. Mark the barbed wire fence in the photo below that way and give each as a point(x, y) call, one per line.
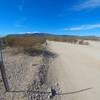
point(39, 89)
point(41, 86)
point(2, 67)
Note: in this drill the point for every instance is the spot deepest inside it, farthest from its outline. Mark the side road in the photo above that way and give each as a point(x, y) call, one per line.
point(76, 67)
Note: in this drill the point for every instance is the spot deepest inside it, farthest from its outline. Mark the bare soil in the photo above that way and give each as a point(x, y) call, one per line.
point(76, 67)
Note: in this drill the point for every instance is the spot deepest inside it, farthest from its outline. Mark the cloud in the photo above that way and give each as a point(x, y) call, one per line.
point(21, 6)
point(83, 27)
point(83, 5)
point(32, 32)
point(87, 4)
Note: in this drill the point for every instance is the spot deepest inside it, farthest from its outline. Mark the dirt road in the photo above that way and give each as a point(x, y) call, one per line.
point(76, 67)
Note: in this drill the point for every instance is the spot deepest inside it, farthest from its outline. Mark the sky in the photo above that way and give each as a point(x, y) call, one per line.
point(70, 17)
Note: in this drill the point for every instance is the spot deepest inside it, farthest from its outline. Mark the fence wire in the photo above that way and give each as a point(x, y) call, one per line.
point(32, 94)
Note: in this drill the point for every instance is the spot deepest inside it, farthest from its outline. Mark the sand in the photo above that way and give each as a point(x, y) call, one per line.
point(76, 67)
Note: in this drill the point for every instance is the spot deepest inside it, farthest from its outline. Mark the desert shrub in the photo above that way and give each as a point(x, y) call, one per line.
point(82, 42)
point(33, 51)
point(29, 45)
point(33, 45)
point(86, 43)
point(24, 41)
point(10, 41)
point(63, 39)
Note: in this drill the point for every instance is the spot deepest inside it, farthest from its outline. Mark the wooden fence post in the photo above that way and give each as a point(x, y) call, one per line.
point(3, 73)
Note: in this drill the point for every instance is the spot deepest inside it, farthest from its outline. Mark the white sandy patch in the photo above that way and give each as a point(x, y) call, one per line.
point(76, 67)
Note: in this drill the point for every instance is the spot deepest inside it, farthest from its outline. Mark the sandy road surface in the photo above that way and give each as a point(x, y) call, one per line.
point(76, 67)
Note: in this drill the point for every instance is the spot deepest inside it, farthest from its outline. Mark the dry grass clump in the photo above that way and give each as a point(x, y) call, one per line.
point(82, 42)
point(29, 45)
point(34, 45)
point(69, 40)
point(63, 39)
point(24, 41)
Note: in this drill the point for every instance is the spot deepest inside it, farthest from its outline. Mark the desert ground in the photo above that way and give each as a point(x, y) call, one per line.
point(21, 71)
point(76, 67)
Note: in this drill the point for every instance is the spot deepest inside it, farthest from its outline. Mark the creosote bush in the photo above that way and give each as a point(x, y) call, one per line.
point(29, 45)
point(34, 45)
point(82, 42)
point(63, 39)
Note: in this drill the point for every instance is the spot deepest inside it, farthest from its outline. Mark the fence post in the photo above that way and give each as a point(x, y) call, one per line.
point(2, 69)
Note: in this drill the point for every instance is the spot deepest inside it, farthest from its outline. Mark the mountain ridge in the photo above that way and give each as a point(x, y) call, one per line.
point(51, 35)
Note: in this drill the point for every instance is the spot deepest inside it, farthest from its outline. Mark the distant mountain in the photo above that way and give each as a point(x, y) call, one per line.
point(30, 34)
point(53, 35)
